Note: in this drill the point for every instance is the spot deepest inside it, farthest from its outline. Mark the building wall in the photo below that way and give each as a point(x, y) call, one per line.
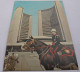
point(40, 29)
point(63, 22)
point(26, 27)
point(46, 24)
point(30, 26)
point(48, 20)
point(55, 23)
point(54, 18)
point(21, 27)
point(14, 27)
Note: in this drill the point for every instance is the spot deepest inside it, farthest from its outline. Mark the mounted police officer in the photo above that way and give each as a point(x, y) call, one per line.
point(56, 43)
point(56, 40)
point(55, 37)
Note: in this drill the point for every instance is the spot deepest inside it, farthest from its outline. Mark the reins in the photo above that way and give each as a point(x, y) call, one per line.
point(41, 47)
point(43, 51)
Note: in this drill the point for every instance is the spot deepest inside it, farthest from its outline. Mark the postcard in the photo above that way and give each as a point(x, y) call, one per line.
point(39, 38)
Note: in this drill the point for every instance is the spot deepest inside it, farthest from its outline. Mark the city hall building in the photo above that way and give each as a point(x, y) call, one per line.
point(21, 27)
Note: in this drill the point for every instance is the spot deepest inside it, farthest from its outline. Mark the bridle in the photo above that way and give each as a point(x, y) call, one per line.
point(33, 48)
point(29, 44)
point(48, 48)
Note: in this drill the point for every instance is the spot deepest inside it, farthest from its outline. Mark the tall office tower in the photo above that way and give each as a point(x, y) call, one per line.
point(26, 27)
point(21, 26)
point(54, 18)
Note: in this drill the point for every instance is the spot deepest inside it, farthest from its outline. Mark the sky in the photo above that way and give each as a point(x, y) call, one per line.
point(32, 8)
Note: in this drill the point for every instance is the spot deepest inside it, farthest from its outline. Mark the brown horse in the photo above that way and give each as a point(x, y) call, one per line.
point(51, 56)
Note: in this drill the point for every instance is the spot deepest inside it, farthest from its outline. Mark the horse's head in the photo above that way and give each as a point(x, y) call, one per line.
point(29, 44)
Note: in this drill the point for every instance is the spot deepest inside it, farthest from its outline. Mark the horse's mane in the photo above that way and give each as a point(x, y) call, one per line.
point(41, 42)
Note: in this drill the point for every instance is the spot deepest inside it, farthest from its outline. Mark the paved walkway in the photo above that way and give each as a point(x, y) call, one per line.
point(28, 62)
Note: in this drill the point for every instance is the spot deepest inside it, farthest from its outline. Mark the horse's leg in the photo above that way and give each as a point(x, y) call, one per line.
point(48, 67)
point(51, 68)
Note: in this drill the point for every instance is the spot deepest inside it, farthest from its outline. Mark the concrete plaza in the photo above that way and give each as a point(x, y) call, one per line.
point(27, 62)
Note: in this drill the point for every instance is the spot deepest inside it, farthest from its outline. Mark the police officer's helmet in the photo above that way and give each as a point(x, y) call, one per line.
point(53, 30)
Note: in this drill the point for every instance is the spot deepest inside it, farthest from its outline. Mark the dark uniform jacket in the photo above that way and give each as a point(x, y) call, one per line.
point(56, 39)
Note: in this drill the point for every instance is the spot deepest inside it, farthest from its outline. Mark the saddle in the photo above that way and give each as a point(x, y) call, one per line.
point(65, 51)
